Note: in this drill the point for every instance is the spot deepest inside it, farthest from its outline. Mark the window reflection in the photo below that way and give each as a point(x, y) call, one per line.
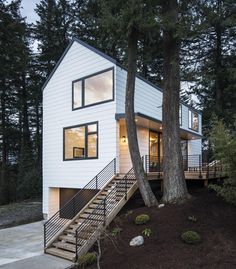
point(92, 145)
point(94, 89)
point(193, 120)
point(98, 88)
point(80, 142)
point(75, 143)
point(77, 94)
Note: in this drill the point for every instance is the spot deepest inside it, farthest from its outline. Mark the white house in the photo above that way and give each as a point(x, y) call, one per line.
point(84, 123)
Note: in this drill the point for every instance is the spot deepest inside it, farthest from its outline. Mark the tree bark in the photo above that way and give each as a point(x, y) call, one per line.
point(174, 185)
point(3, 184)
point(218, 82)
point(144, 186)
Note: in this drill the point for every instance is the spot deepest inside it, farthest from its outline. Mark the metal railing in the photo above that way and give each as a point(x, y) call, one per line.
point(102, 211)
point(77, 202)
point(191, 163)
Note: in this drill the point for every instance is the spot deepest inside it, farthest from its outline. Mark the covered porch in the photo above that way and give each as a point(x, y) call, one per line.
point(149, 132)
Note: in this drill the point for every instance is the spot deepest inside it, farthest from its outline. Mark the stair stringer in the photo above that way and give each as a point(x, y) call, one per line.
point(109, 219)
point(60, 232)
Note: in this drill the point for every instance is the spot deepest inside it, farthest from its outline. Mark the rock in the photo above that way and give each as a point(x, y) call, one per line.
point(161, 205)
point(137, 241)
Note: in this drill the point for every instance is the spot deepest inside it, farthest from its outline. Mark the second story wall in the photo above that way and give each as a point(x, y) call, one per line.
point(78, 62)
point(148, 100)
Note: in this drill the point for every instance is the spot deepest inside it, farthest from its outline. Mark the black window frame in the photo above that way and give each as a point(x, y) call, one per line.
point(83, 89)
point(190, 126)
point(86, 141)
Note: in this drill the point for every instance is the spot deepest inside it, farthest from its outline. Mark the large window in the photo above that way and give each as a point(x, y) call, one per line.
point(193, 122)
point(93, 89)
point(81, 142)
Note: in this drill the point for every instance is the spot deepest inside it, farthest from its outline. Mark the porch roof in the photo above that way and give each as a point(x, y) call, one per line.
point(148, 122)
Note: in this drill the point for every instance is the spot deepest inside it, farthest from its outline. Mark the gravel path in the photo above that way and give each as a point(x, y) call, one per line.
point(20, 213)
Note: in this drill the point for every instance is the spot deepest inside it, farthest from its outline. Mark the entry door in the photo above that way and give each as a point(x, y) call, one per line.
point(154, 151)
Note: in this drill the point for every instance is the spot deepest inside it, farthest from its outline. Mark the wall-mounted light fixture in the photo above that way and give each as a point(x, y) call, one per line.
point(124, 139)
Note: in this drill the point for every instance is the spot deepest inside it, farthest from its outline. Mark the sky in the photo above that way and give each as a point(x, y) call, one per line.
point(27, 10)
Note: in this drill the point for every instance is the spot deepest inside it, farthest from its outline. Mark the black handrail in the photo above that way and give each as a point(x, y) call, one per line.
point(191, 163)
point(105, 207)
point(74, 205)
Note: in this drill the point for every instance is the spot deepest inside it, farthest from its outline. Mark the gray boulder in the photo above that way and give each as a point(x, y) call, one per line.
point(136, 241)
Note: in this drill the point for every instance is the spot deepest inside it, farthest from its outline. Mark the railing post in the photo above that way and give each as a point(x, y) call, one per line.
point(104, 212)
point(200, 167)
point(96, 182)
point(125, 188)
point(115, 166)
point(76, 245)
point(44, 235)
point(73, 208)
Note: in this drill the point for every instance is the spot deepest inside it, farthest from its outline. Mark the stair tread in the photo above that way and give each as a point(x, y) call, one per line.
point(66, 246)
point(67, 238)
point(61, 253)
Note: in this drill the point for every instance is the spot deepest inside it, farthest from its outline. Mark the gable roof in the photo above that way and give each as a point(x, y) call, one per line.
point(109, 59)
point(67, 49)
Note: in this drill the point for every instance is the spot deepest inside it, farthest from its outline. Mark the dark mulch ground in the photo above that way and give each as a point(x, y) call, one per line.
point(164, 248)
point(20, 213)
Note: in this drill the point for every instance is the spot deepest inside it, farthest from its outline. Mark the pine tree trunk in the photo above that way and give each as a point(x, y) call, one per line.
point(144, 186)
point(3, 184)
point(174, 185)
point(218, 84)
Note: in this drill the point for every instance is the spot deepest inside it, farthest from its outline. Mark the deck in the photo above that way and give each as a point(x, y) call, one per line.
point(191, 175)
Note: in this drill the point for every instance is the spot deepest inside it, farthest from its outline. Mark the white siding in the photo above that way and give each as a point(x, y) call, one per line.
point(143, 141)
point(148, 100)
point(57, 109)
point(53, 201)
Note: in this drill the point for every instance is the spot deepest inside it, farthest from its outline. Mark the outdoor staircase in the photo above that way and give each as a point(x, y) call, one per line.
point(76, 236)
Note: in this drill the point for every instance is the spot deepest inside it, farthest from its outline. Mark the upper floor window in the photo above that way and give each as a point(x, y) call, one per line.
point(81, 141)
point(93, 89)
point(193, 122)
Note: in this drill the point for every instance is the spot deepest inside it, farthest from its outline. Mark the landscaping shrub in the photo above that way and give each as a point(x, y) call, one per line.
point(87, 259)
point(142, 219)
point(147, 232)
point(224, 149)
point(191, 237)
point(116, 231)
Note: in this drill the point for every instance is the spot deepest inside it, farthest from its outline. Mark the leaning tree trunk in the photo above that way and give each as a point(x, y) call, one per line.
point(144, 187)
point(174, 185)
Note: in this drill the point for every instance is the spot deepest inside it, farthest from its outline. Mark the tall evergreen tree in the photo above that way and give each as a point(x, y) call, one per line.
point(174, 185)
point(211, 59)
point(52, 31)
point(132, 18)
point(14, 104)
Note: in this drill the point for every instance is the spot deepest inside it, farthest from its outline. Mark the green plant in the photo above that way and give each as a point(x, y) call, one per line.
point(192, 218)
point(116, 231)
point(142, 219)
point(87, 259)
point(224, 149)
point(129, 212)
point(191, 237)
point(147, 232)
